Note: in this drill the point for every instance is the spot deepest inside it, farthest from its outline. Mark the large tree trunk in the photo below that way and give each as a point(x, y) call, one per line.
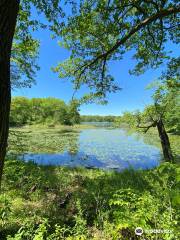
point(8, 16)
point(164, 141)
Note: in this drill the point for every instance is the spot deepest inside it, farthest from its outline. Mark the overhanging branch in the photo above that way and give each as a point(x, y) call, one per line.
point(159, 15)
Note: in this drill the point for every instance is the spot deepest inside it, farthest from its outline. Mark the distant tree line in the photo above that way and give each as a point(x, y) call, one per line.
point(43, 110)
point(97, 118)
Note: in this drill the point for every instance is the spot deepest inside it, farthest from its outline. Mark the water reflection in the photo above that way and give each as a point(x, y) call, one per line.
point(102, 148)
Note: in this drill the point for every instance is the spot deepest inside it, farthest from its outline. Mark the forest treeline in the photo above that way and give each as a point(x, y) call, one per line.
point(43, 110)
point(98, 118)
point(56, 111)
point(50, 111)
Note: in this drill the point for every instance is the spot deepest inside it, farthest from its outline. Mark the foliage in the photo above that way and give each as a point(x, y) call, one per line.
point(168, 95)
point(166, 105)
point(127, 119)
point(100, 32)
point(25, 49)
point(166, 101)
point(73, 114)
point(43, 110)
point(101, 205)
point(23, 62)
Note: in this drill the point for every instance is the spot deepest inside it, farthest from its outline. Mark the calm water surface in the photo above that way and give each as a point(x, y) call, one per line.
point(104, 148)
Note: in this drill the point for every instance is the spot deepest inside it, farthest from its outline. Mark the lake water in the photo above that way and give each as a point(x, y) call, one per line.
point(103, 148)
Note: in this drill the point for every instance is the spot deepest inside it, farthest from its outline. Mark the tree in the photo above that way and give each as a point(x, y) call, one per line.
point(127, 119)
point(73, 112)
point(8, 15)
point(43, 110)
point(153, 117)
point(165, 106)
point(103, 31)
point(170, 86)
point(20, 109)
point(10, 11)
point(23, 62)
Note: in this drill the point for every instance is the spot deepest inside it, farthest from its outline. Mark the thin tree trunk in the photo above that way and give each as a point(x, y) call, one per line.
point(164, 141)
point(8, 17)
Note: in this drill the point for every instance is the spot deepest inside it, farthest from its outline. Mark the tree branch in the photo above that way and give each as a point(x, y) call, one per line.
point(148, 127)
point(161, 14)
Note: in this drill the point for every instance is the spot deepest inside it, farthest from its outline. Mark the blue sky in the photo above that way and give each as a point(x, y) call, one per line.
point(133, 95)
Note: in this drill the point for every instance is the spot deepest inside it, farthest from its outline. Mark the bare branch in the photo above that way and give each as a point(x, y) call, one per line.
point(103, 69)
point(146, 128)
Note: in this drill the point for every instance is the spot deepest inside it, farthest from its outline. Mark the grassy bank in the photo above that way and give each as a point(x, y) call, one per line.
point(63, 203)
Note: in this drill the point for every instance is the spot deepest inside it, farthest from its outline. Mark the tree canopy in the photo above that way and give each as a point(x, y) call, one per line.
point(43, 110)
point(102, 31)
point(25, 47)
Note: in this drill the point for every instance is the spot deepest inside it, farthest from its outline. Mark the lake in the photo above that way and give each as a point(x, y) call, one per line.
point(104, 148)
